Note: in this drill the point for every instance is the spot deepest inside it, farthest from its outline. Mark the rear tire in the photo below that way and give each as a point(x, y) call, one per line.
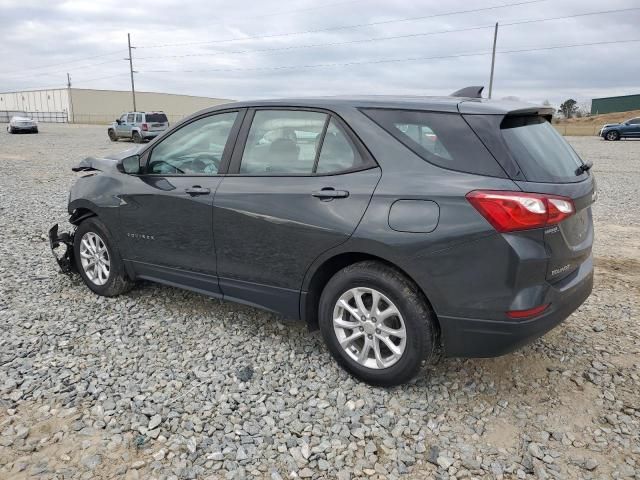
point(92, 242)
point(136, 137)
point(398, 344)
point(112, 135)
point(612, 136)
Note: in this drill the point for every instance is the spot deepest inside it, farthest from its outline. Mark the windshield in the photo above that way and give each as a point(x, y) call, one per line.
point(540, 151)
point(156, 117)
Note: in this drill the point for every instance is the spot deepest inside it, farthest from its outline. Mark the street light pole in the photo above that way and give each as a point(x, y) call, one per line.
point(133, 88)
point(493, 59)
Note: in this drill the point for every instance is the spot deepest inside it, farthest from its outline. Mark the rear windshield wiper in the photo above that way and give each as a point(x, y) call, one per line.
point(585, 167)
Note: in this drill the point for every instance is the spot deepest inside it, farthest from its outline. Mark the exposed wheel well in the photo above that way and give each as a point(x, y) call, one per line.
point(329, 268)
point(79, 214)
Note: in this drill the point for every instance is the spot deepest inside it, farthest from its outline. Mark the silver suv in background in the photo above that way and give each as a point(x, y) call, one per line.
point(138, 126)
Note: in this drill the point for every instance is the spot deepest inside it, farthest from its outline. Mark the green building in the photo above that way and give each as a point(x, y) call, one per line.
point(623, 103)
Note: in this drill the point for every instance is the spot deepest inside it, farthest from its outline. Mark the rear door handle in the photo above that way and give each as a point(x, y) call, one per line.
point(197, 190)
point(330, 193)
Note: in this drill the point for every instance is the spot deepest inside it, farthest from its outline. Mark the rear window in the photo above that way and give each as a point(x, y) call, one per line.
point(443, 139)
point(540, 151)
point(156, 117)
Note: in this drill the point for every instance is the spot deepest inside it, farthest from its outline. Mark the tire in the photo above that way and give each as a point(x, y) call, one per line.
point(116, 281)
point(136, 137)
point(35, 131)
point(612, 135)
point(370, 277)
point(11, 130)
point(112, 135)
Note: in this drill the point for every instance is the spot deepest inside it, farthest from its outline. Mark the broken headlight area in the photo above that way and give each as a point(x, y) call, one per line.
point(62, 247)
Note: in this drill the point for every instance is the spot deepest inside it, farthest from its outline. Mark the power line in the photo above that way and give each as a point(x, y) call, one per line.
point(51, 73)
point(65, 63)
point(391, 60)
point(60, 85)
point(346, 27)
point(378, 39)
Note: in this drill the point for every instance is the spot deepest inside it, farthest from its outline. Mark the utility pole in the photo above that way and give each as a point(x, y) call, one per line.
point(133, 88)
point(70, 99)
point(493, 59)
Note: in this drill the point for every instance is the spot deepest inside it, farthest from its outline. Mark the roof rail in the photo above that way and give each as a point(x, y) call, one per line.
point(469, 92)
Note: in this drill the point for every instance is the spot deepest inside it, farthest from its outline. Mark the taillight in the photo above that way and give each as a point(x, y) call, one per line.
point(145, 127)
point(511, 211)
point(530, 312)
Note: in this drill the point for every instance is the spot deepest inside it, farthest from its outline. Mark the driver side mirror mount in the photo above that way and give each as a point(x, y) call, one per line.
point(129, 165)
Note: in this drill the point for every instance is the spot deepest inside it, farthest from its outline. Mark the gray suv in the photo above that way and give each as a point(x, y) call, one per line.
point(138, 126)
point(401, 227)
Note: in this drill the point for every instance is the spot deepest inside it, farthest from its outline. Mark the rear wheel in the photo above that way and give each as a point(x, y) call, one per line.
point(136, 137)
point(613, 135)
point(98, 259)
point(112, 135)
point(376, 323)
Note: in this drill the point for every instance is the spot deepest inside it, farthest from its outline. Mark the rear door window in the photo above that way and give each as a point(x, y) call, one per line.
point(138, 118)
point(540, 151)
point(282, 142)
point(443, 139)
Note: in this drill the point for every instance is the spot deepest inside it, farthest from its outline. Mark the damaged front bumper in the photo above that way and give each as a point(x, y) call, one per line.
point(65, 259)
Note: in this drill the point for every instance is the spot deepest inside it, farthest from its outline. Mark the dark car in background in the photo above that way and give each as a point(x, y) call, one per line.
point(626, 129)
point(400, 226)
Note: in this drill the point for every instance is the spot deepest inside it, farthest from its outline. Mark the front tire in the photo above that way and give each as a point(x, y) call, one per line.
point(98, 259)
point(612, 135)
point(376, 323)
point(11, 130)
point(112, 135)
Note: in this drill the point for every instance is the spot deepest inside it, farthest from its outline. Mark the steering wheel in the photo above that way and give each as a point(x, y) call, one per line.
point(159, 162)
point(207, 159)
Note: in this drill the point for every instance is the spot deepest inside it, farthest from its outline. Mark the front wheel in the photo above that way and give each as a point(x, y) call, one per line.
point(98, 259)
point(376, 323)
point(112, 135)
point(613, 135)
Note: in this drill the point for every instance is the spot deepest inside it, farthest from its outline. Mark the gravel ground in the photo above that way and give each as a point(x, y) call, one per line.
point(162, 383)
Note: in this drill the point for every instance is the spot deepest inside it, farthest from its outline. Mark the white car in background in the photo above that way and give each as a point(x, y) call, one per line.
point(22, 124)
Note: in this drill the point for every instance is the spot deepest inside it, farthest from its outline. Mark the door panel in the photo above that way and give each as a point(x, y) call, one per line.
point(165, 225)
point(268, 230)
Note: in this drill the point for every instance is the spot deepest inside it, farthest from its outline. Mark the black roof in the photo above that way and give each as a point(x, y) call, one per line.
point(437, 104)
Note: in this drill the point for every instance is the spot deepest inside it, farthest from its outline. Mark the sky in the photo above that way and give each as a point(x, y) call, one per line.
point(248, 49)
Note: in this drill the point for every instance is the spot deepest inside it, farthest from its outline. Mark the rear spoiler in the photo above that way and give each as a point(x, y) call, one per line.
point(469, 92)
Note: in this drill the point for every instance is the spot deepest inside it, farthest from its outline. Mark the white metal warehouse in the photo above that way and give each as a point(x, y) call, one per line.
point(78, 105)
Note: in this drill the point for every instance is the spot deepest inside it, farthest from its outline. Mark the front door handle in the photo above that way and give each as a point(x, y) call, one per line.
point(329, 193)
point(197, 190)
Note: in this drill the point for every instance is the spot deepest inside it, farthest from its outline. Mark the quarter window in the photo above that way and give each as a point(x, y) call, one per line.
point(282, 142)
point(195, 149)
point(337, 152)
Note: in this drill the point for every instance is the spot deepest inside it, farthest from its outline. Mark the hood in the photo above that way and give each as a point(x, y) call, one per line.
point(610, 125)
point(125, 153)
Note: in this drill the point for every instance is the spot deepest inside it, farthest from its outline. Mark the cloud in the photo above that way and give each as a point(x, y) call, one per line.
point(87, 38)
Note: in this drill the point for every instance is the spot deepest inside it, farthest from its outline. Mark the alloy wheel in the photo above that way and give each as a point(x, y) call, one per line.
point(94, 257)
point(369, 327)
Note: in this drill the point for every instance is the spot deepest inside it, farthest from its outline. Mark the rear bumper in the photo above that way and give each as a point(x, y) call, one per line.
point(465, 337)
point(19, 128)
